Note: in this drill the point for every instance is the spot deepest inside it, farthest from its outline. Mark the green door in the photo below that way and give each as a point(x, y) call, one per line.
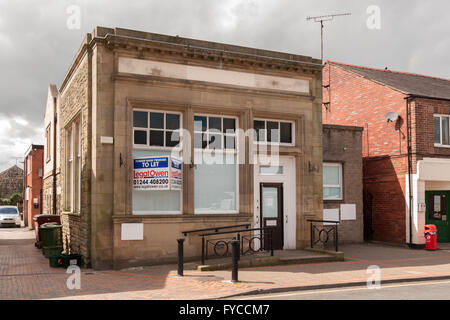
point(437, 213)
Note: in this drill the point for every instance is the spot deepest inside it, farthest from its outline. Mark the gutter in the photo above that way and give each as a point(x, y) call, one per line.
point(55, 117)
point(408, 139)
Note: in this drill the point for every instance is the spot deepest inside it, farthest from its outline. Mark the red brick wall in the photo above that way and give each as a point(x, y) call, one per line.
point(359, 102)
point(35, 181)
point(384, 180)
point(356, 101)
point(424, 109)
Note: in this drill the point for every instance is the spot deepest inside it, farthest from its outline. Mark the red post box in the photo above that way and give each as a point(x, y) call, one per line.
point(430, 237)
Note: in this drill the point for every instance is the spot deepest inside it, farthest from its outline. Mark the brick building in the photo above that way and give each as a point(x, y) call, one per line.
point(130, 97)
point(396, 110)
point(343, 180)
point(11, 181)
point(32, 193)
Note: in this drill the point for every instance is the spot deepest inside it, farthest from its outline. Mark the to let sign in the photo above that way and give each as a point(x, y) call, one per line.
point(157, 173)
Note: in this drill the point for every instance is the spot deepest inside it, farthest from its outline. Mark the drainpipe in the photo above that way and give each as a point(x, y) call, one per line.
point(408, 133)
point(54, 154)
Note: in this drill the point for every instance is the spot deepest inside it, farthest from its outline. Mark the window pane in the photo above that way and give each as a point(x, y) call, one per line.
point(200, 141)
point(215, 187)
point(229, 125)
point(259, 127)
point(270, 170)
point(215, 123)
point(285, 132)
point(215, 141)
point(157, 138)
point(199, 123)
point(270, 202)
point(140, 119)
point(172, 138)
point(445, 135)
point(230, 142)
point(331, 175)
point(172, 121)
point(155, 200)
point(437, 130)
point(156, 120)
point(272, 131)
point(140, 137)
point(332, 193)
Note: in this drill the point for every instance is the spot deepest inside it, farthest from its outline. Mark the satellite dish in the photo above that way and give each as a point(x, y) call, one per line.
point(391, 116)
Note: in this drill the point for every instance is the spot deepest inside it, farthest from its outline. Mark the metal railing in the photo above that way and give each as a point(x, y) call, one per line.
point(324, 233)
point(249, 244)
point(216, 229)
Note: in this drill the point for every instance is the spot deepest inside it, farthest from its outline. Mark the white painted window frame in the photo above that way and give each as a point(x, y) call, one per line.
point(440, 116)
point(292, 144)
point(234, 151)
point(178, 149)
point(341, 182)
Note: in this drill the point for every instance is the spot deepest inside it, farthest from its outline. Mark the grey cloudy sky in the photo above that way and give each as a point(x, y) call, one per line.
point(36, 47)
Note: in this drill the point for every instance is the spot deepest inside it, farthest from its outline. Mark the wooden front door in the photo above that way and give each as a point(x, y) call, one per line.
point(438, 204)
point(271, 210)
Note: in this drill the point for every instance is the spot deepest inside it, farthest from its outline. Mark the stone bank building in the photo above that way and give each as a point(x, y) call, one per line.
point(131, 95)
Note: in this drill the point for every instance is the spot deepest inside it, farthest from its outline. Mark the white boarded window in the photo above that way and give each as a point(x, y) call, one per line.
point(332, 181)
point(216, 172)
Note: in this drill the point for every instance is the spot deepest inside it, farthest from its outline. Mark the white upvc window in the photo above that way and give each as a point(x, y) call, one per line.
point(157, 133)
point(441, 130)
point(332, 181)
point(274, 132)
point(216, 171)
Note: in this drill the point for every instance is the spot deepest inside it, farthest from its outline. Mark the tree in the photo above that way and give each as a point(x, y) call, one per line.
point(15, 198)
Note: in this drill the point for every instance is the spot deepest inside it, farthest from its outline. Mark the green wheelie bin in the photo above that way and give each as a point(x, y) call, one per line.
point(51, 237)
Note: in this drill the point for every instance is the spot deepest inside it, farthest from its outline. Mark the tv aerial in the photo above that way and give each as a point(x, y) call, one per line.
point(322, 19)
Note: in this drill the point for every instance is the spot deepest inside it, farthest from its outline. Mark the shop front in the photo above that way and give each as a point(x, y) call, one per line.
point(431, 191)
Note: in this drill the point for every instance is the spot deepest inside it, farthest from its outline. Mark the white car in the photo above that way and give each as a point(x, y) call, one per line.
point(9, 216)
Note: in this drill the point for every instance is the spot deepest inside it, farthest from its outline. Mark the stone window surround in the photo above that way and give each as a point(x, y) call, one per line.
point(72, 202)
point(188, 111)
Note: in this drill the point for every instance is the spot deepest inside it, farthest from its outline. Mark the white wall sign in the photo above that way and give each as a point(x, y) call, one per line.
point(348, 211)
point(132, 231)
point(157, 173)
point(330, 215)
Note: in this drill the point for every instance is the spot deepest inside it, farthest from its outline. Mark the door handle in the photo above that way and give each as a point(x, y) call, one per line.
point(287, 219)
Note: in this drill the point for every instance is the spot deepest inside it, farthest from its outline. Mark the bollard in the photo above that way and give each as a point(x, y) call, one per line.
point(235, 260)
point(180, 257)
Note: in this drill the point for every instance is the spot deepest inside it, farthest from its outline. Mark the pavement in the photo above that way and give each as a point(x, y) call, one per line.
point(25, 274)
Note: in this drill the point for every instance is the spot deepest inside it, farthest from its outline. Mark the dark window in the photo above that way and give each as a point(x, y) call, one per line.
point(156, 120)
point(230, 142)
point(215, 141)
point(172, 121)
point(199, 123)
point(272, 131)
point(200, 141)
point(259, 127)
point(285, 132)
point(157, 138)
point(172, 138)
point(229, 125)
point(140, 137)
point(140, 119)
point(215, 123)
